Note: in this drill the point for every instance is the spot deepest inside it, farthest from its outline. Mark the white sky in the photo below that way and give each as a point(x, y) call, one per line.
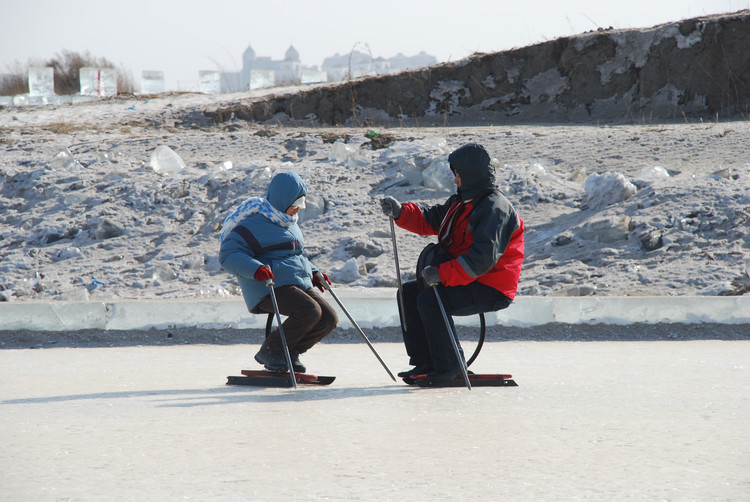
point(186, 36)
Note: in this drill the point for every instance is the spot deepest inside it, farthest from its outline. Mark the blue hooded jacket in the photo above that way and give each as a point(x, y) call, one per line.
point(258, 241)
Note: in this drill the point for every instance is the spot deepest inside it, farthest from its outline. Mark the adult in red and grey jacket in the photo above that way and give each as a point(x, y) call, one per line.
point(480, 236)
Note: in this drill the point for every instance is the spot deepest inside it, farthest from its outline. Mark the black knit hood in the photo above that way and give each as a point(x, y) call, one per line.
point(472, 163)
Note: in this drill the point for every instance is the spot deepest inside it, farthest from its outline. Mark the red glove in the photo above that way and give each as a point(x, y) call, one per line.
point(318, 278)
point(263, 274)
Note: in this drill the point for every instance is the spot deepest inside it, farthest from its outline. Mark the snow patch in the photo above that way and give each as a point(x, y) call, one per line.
point(445, 97)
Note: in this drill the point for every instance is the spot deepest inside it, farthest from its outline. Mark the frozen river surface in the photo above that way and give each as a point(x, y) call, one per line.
point(660, 420)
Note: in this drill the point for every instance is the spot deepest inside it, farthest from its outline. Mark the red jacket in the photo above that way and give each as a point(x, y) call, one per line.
point(485, 242)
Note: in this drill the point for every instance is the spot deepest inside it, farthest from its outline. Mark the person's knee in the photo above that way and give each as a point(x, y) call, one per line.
point(329, 317)
point(408, 293)
point(410, 288)
point(309, 312)
point(426, 301)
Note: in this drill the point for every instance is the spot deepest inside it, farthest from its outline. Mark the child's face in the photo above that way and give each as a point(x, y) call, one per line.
point(292, 210)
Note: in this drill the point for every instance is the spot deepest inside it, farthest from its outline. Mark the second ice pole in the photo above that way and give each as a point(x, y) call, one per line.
point(354, 323)
point(269, 283)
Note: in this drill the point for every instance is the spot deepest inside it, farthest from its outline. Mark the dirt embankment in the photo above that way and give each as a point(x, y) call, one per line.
point(692, 69)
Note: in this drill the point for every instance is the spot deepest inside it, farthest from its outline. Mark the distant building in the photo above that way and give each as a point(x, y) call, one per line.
point(265, 72)
point(399, 62)
point(358, 64)
point(286, 71)
point(353, 65)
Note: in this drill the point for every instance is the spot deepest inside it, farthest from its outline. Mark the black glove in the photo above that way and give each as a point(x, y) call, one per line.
point(431, 276)
point(391, 207)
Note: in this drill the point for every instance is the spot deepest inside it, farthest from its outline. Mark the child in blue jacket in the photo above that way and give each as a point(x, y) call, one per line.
point(260, 241)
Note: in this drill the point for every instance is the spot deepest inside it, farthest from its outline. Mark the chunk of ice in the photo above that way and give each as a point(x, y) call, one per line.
point(64, 161)
point(315, 205)
point(652, 173)
point(164, 160)
point(438, 176)
point(608, 188)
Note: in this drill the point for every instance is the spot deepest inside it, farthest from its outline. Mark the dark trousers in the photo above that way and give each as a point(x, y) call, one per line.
point(426, 336)
point(309, 318)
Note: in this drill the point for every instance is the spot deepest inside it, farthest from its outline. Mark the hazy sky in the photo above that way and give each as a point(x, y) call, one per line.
point(186, 36)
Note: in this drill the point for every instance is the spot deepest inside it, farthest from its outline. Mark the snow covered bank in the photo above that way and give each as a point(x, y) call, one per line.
point(373, 308)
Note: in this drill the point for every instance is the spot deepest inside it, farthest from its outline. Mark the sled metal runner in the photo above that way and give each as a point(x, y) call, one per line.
point(265, 378)
point(476, 379)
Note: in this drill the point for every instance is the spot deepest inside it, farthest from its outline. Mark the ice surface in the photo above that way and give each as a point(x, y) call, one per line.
point(623, 421)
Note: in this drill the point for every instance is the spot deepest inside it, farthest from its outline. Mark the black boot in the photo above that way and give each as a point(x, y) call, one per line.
point(296, 363)
point(271, 360)
point(419, 369)
point(445, 375)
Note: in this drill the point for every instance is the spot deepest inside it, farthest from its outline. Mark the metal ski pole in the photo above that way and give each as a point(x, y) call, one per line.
point(398, 276)
point(356, 326)
point(453, 339)
point(269, 283)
